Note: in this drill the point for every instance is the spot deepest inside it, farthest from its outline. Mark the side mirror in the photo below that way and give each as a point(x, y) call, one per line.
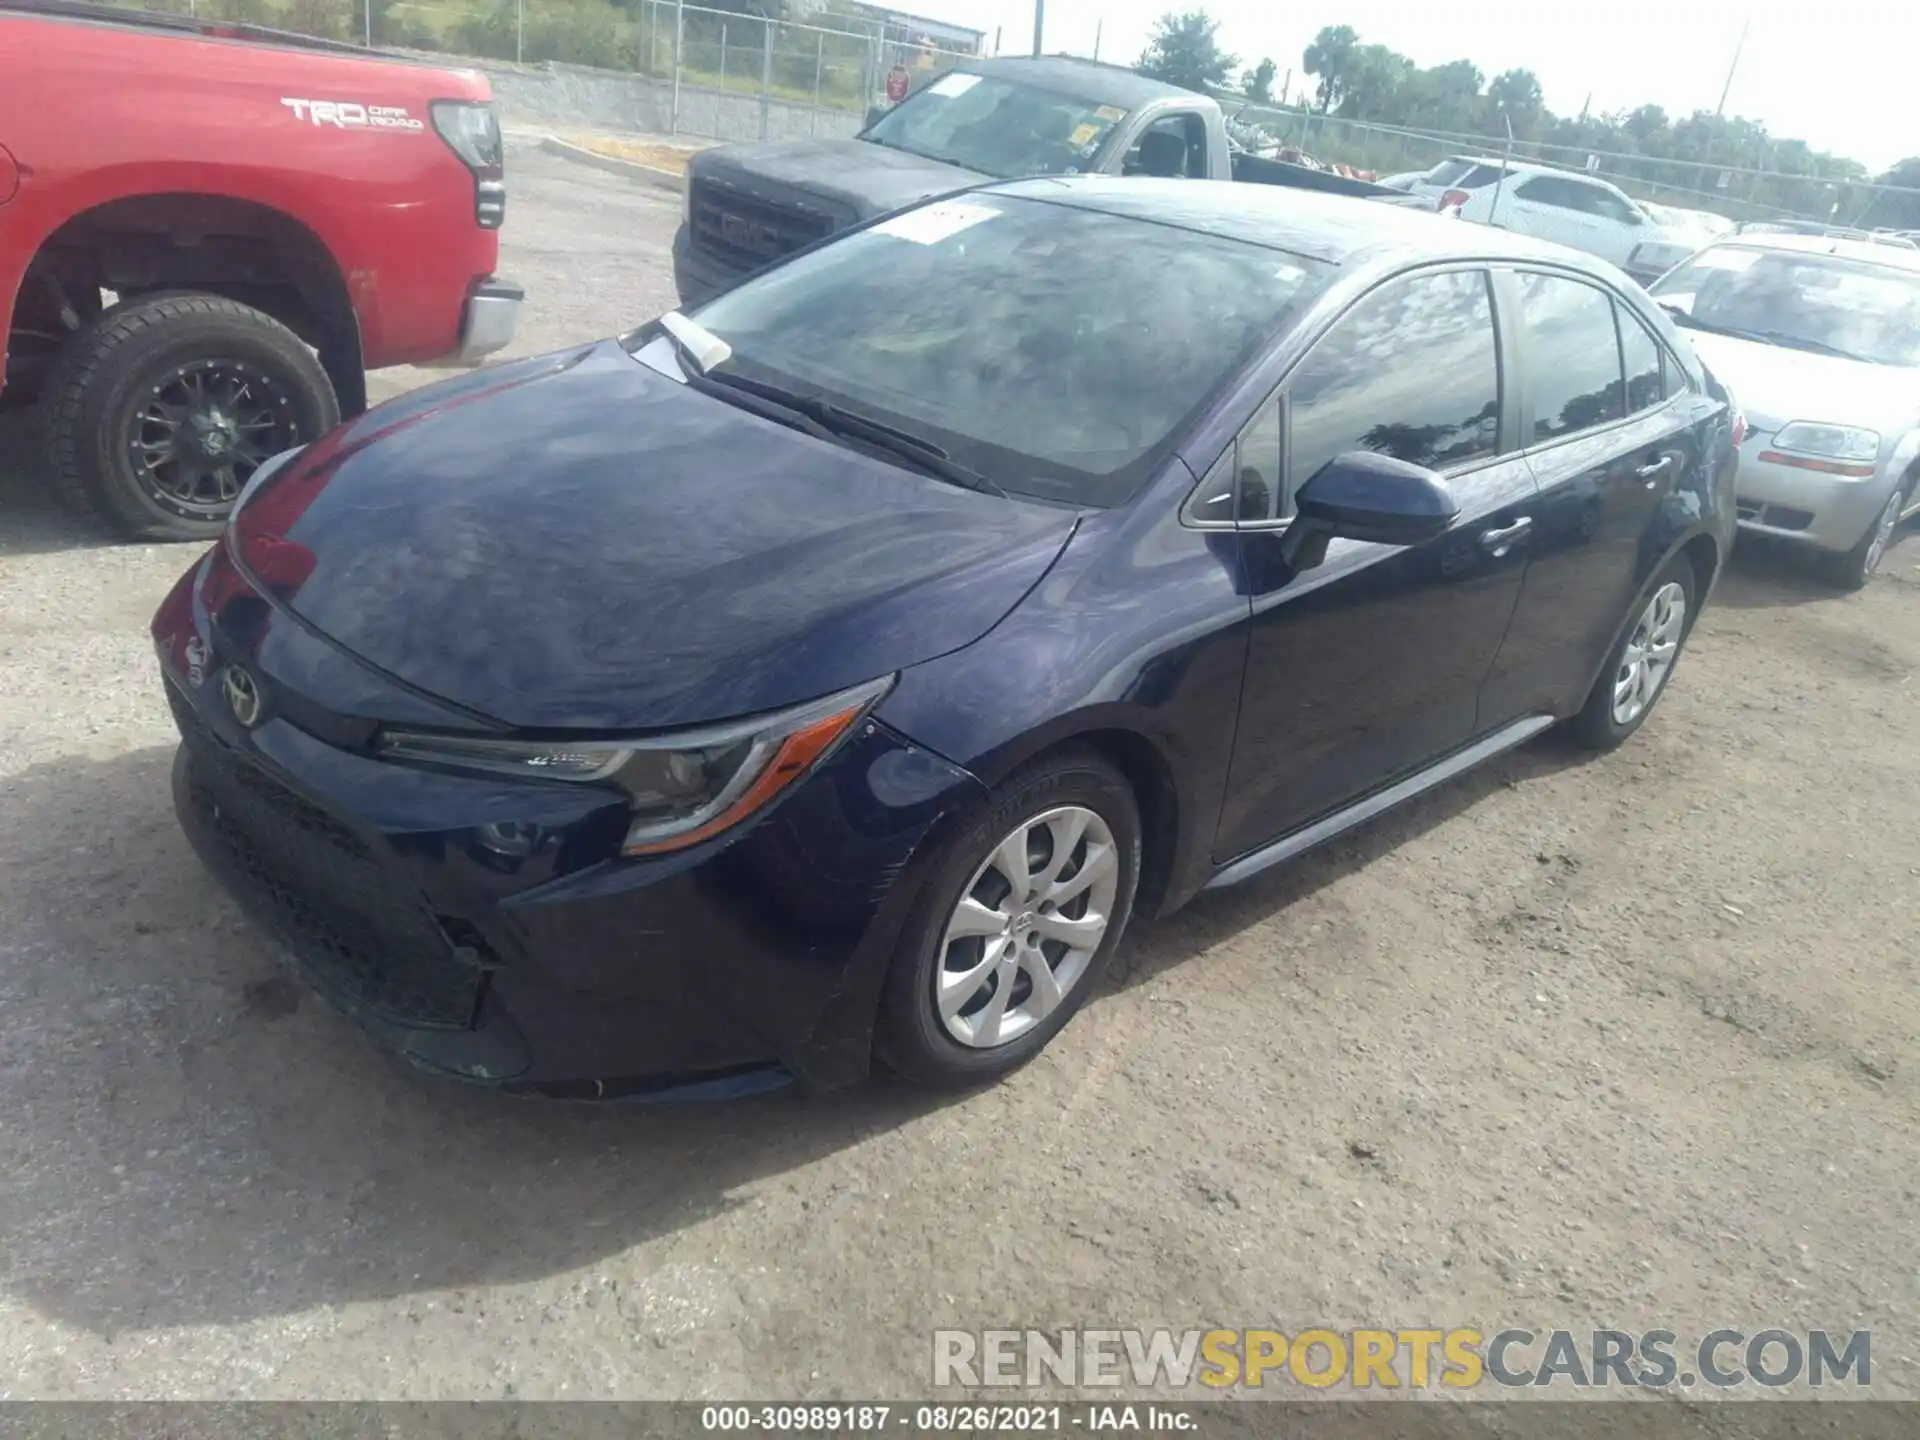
point(1363, 495)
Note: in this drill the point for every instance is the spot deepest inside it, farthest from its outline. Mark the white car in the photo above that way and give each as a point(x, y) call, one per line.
point(1819, 338)
point(1586, 213)
point(1453, 179)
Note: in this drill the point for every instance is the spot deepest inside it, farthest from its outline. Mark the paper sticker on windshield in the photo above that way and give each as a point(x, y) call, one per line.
point(1083, 135)
point(931, 224)
point(1111, 113)
point(1725, 259)
point(958, 83)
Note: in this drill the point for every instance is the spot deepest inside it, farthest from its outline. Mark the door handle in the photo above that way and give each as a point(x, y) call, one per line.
point(1652, 470)
point(1498, 542)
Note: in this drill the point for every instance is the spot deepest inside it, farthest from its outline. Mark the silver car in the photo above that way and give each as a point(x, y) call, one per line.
point(1818, 338)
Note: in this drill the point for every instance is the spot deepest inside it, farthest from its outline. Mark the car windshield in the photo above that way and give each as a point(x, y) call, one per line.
point(998, 127)
point(1055, 350)
point(1822, 303)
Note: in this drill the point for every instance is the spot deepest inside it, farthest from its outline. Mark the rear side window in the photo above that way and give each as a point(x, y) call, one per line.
point(1642, 355)
point(1608, 205)
point(1573, 355)
point(1550, 190)
point(1411, 371)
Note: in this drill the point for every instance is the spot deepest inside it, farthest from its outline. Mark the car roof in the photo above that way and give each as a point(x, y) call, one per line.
point(1871, 252)
point(1082, 79)
point(1340, 229)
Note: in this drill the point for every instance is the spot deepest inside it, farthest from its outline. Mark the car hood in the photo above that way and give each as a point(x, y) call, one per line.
point(1774, 384)
point(579, 542)
point(858, 177)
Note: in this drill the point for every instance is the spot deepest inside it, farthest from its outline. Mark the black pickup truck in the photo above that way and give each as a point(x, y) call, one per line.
point(747, 205)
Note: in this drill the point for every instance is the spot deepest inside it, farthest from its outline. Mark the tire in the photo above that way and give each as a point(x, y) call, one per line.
point(118, 380)
point(1600, 725)
point(1044, 802)
point(1851, 569)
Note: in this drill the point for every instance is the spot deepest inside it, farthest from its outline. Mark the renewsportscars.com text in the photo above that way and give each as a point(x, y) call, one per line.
point(1458, 1358)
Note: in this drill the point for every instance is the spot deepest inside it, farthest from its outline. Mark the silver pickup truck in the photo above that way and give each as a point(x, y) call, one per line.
point(749, 205)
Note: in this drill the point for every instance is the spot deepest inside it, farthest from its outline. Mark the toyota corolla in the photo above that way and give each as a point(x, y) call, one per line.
point(834, 670)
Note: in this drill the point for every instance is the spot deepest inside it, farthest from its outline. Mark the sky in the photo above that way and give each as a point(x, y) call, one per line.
point(1837, 74)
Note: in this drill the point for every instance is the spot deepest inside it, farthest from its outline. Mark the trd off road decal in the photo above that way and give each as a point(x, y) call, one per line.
point(347, 115)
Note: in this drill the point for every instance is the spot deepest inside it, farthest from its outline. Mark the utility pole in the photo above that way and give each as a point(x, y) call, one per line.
point(1096, 37)
point(1739, 45)
point(1039, 23)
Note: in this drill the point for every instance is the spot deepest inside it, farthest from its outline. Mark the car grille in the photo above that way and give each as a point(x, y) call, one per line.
point(747, 233)
point(316, 883)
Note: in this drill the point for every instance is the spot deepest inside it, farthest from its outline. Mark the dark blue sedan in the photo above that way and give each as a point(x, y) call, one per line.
point(834, 670)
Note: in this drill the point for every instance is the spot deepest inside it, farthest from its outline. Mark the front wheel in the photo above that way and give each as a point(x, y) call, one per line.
point(1019, 918)
point(1642, 660)
point(1851, 569)
point(161, 409)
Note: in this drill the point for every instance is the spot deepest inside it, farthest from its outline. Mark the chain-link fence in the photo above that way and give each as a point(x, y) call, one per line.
point(1751, 191)
point(837, 68)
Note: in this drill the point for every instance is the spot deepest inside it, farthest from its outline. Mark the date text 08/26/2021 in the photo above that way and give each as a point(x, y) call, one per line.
point(944, 1419)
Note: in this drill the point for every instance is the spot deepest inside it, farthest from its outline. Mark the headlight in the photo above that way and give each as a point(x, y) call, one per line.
point(1836, 442)
point(683, 788)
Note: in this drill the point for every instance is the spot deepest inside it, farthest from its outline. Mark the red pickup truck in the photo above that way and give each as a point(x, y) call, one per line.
point(210, 232)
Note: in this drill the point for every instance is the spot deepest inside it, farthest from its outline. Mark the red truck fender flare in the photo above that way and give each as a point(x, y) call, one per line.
point(38, 215)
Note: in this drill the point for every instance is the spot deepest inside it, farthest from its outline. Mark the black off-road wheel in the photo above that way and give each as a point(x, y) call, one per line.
point(1018, 920)
point(160, 411)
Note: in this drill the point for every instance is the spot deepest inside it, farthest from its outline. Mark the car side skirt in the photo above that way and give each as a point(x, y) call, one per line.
point(1324, 829)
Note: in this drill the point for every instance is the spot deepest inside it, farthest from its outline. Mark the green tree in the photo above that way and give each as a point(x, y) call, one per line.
point(1447, 97)
point(1378, 82)
point(1257, 84)
point(1898, 208)
point(1329, 59)
point(1185, 50)
point(1517, 102)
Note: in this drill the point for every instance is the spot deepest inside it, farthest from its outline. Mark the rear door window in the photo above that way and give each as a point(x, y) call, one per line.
point(1551, 190)
point(1641, 353)
point(1574, 379)
point(1412, 371)
point(1448, 172)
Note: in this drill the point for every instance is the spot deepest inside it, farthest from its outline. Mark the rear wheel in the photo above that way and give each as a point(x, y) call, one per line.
point(162, 408)
point(1642, 661)
point(1019, 919)
point(1851, 569)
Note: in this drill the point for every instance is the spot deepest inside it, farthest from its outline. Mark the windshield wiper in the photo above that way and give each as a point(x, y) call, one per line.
point(1694, 322)
point(1817, 347)
point(845, 424)
point(701, 352)
point(1767, 337)
point(697, 347)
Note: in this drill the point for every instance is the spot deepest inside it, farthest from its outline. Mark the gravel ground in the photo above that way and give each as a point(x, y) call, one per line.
point(1567, 1043)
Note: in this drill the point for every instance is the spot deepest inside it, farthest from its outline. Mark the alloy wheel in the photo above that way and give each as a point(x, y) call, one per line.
point(202, 431)
point(1026, 927)
point(1883, 529)
point(1651, 649)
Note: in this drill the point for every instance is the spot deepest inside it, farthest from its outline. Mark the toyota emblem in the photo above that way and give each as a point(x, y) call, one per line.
point(243, 695)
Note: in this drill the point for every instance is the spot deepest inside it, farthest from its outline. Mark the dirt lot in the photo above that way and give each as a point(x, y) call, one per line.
point(1569, 1043)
